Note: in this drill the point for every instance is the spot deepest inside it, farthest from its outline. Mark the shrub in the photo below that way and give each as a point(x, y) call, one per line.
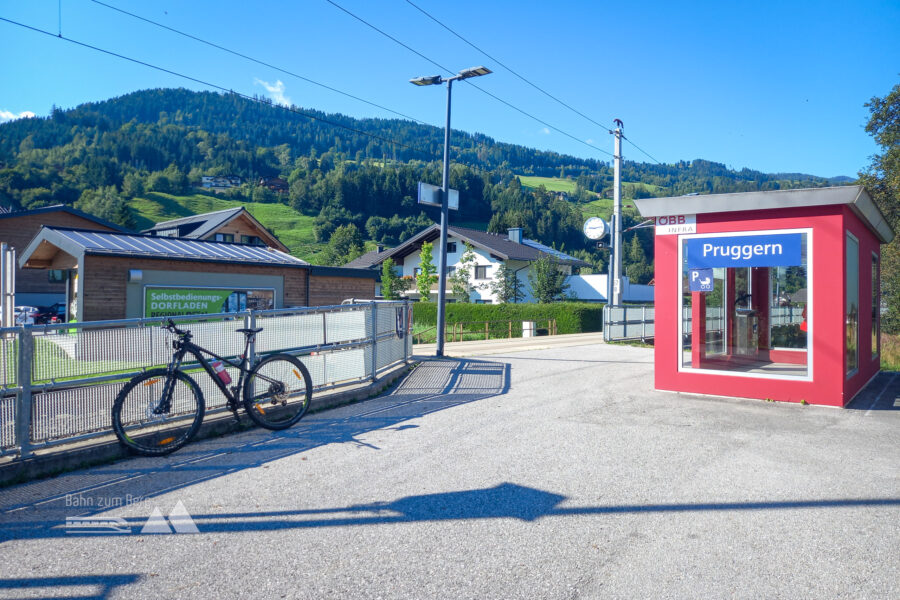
point(571, 317)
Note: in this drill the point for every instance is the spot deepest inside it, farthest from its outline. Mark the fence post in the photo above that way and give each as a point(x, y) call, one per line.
point(606, 322)
point(486, 330)
point(23, 398)
point(643, 323)
point(374, 341)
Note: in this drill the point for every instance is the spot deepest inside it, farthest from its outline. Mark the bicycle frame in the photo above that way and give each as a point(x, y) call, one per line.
point(184, 346)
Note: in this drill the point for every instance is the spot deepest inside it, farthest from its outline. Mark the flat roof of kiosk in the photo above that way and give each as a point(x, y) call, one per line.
point(855, 196)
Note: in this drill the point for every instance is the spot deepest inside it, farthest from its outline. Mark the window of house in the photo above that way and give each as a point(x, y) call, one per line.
point(851, 318)
point(451, 270)
point(481, 272)
point(451, 247)
point(746, 303)
point(480, 301)
point(876, 302)
point(56, 276)
point(253, 240)
point(417, 271)
point(225, 237)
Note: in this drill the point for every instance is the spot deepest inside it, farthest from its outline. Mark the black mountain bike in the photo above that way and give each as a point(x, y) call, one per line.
point(160, 410)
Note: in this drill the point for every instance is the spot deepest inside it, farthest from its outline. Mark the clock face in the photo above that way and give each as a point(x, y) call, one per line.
point(595, 228)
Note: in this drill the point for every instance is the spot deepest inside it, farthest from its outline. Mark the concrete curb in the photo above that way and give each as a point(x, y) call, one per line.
point(48, 462)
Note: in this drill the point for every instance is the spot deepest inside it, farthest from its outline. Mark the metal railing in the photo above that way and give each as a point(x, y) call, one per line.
point(628, 322)
point(58, 382)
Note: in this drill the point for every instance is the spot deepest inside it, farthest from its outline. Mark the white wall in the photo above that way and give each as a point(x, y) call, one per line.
point(592, 288)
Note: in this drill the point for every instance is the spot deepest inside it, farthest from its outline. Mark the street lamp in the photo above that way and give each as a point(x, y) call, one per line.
point(445, 190)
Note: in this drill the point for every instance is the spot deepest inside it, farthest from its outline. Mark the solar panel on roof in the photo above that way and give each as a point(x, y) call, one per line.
point(163, 247)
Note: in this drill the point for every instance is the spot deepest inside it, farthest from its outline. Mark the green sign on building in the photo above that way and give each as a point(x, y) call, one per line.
point(171, 302)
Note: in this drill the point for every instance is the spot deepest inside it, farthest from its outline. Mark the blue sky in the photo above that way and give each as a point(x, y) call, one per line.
point(772, 86)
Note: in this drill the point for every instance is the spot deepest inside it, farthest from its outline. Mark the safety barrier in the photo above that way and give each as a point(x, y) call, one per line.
point(58, 382)
point(628, 322)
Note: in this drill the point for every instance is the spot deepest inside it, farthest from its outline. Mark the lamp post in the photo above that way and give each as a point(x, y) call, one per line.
point(445, 190)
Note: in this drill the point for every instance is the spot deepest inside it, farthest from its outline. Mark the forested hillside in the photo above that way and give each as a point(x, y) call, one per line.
point(110, 158)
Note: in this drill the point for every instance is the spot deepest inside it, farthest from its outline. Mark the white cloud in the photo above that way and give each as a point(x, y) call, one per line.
point(275, 90)
point(545, 131)
point(5, 115)
point(589, 141)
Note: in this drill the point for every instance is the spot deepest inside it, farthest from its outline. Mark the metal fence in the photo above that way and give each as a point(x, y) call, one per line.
point(58, 382)
point(628, 322)
point(635, 322)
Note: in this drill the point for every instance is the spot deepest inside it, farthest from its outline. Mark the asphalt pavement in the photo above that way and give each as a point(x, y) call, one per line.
point(554, 473)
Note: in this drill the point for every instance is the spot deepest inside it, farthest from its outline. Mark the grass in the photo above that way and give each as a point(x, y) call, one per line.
point(552, 184)
point(294, 229)
point(890, 352)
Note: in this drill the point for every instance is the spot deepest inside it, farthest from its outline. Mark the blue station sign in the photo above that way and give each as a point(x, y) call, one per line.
point(769, 250)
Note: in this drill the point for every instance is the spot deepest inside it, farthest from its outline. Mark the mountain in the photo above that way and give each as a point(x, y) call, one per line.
point(106, 157)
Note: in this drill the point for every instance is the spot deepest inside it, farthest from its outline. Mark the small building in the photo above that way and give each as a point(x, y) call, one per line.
point(771, 295)
point(18, 228)
point(593, 288)
point(232, 225)
point(118, 276)
point(276, 184)
point(219, 183)
point(491, 251)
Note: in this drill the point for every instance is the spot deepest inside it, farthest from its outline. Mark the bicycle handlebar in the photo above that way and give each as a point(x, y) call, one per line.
point(174, 328)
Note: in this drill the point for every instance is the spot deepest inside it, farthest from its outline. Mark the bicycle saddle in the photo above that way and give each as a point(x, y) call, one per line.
point(249, 331)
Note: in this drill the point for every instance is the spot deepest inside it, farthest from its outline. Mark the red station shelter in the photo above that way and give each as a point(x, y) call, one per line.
point(771, 295)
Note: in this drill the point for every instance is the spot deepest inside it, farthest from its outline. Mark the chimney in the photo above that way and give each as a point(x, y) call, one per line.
point(380, 248)
point(515, 234)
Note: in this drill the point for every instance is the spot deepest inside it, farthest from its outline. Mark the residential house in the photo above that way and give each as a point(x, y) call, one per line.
point(219, 183)
point(276, 184)
point(233, 225)
point(491, 251)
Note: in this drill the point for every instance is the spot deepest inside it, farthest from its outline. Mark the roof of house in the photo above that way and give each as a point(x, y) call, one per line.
point(203, 225)
point(855, 196)
point(66, 209)
point(369, 259)
point(77, 242)
point(497, 245)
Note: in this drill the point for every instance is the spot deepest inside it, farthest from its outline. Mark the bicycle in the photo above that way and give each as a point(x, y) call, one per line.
point(160, 410)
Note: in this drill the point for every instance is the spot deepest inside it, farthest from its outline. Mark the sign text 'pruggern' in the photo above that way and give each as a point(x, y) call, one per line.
point(769, 250)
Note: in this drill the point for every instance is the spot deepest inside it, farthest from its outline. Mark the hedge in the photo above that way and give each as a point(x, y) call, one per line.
point(571, 317)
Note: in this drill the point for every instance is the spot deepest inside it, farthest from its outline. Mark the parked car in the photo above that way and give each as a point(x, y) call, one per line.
point(26, 315)
point(55, 313)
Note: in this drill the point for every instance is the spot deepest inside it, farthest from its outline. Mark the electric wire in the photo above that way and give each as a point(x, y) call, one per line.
point(257, 61)
point(523, 78)
point(215, 86)
point(480, 89)
point(497, 60)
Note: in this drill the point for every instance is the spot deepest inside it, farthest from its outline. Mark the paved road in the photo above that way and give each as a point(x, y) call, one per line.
point(542, 474)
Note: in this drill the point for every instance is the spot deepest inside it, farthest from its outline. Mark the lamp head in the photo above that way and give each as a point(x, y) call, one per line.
point(432, 80)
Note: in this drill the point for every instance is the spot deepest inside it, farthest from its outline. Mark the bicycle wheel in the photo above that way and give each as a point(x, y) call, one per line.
point(147, 424)
point(277, 391)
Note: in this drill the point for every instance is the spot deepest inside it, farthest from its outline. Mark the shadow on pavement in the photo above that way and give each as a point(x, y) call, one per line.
point(504, 501)
point(432, 386)
point(882, 393)
point(92, 587)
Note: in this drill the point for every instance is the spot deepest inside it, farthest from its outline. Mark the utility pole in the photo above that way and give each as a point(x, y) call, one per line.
point(616, 258)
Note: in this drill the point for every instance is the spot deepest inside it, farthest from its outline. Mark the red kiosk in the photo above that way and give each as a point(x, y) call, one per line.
point(770, 295)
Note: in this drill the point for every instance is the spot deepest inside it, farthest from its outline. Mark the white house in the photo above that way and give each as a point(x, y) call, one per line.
point(491, 251)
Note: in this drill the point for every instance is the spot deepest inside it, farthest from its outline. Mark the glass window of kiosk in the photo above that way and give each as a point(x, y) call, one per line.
point(746, 303)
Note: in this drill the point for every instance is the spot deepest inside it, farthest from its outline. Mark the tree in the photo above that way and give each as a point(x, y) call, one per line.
point(636, 265)
point(882, 180)
point(345, 244)
point(389, 280)
point(461, 279)
point(427, 273)
point(547, 280)
point(106, 203)
point(505, 286)
point(133, 185)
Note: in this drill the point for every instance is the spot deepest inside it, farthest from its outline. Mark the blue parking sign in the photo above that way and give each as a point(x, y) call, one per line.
point(701, 280)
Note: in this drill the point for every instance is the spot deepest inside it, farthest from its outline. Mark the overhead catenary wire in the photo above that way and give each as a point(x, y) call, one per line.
point(639, 148)
point(479, 88)
point(290, 109)
point(257, 61)
point(499, 62)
